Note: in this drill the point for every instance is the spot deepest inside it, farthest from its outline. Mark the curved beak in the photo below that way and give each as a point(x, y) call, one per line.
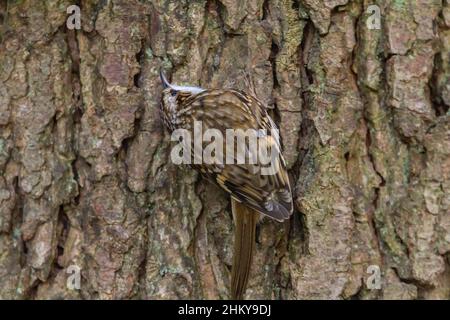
point(166, 84)
point(164, 81)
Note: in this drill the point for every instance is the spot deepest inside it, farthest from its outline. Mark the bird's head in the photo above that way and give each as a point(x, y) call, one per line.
point(173, 97)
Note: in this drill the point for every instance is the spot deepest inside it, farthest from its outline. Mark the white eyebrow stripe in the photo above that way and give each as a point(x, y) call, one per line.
point(193, 90)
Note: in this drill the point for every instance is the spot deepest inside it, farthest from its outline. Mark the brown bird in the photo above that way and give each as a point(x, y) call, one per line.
point(253, 191)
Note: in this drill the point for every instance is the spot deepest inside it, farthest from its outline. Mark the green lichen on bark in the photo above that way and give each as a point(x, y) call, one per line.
point(85, 175)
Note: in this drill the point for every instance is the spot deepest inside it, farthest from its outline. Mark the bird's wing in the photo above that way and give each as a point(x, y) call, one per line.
point(269, 194)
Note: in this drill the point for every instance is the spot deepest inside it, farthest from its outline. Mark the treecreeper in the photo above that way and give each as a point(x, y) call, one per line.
point(257, 187)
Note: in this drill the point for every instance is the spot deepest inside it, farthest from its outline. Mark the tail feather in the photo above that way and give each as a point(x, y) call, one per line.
point(244, 243)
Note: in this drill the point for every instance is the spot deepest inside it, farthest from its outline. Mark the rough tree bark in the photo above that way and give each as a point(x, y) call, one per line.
point(85, 176)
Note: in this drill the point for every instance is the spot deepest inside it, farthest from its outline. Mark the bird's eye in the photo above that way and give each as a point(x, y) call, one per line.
point(173, 93)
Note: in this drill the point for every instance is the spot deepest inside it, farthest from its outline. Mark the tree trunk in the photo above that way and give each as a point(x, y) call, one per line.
point(88, 191)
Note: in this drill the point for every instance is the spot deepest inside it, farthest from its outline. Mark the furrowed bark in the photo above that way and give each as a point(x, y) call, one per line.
point(86, 181)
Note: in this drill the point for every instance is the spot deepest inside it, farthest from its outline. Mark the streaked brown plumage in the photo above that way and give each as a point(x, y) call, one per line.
point(251, 191)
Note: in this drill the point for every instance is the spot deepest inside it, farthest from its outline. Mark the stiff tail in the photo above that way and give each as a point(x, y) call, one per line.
point(244, 243)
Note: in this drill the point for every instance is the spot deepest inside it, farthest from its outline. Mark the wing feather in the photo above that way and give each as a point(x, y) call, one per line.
point(222, 109)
